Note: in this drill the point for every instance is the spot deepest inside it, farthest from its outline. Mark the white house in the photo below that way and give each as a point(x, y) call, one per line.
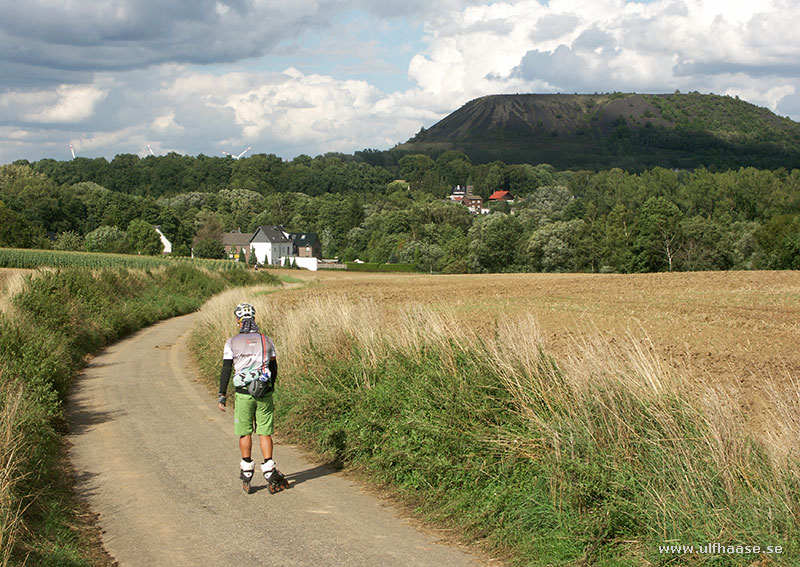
point(167, 244)
point(270, 244)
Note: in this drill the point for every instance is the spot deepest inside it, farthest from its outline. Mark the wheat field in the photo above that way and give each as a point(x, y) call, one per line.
point(735, 331)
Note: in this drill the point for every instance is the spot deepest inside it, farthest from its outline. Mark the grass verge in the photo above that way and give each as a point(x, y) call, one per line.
point(601, 458)
point(58, 318)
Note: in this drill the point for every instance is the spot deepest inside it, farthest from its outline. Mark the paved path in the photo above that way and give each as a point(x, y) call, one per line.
point(159, 462)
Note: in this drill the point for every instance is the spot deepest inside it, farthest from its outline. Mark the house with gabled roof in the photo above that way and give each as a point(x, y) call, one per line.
point(464, 195)
point(237, 241)
point(270, 244)
point(501, 196)
point(306, 244)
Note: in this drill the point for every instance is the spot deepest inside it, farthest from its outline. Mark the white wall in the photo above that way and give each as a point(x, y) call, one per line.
point(260, 250)
point(306, 263)
point(268, 253)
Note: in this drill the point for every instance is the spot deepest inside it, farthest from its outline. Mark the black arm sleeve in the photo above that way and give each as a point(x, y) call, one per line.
point(273, 369)
point(225, 375)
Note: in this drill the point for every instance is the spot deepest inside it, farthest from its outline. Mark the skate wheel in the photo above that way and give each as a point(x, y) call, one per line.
point(246, 487)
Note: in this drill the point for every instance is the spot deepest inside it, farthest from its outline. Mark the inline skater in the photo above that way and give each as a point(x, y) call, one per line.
point(250, 356)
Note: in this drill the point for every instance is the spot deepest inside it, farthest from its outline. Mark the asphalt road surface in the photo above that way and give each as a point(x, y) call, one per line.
point(159, 464)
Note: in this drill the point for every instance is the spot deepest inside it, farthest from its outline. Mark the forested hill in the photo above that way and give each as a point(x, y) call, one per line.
point(632, 131)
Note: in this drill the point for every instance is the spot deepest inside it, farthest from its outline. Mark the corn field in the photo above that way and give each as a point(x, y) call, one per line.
point(28, 259)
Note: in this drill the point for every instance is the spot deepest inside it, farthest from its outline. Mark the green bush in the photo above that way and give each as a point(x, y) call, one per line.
point(209, 248)
point(69, 240)
point(106, 239)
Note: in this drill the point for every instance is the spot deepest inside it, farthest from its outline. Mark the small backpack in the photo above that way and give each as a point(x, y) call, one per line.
point(258, 381)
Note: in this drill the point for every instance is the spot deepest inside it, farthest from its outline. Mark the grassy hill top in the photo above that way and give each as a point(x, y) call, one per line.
point(634, 131)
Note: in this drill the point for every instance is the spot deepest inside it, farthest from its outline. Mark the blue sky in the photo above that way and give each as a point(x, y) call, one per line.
point(313, 76)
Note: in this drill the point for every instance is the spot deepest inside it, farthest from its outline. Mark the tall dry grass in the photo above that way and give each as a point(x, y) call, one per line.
point(12, 446)
point(609, 447)
point(12, 282)
point(12, 449)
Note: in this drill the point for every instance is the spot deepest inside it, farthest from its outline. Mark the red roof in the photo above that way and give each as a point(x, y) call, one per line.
point(497, 195)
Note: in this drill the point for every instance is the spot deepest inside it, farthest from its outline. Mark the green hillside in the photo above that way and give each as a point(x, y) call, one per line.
point(633, 131)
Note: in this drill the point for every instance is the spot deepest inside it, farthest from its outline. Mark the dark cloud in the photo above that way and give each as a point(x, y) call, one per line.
point(130, 34)
point(711, 68)
point(789, 105)
point(19, 76)
point(119, 35)
point(416, 10)
point(594, 38)
point(562, 68)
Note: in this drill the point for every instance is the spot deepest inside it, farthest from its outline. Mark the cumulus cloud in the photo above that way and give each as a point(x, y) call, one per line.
point(67, 103)
point(290, 109)
point(210, 75)
point(771, 98)
point(75, 103)
point(608, 45)
point(166, 123)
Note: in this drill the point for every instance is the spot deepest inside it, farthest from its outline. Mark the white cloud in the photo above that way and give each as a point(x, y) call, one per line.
point(74, 103)
point(67, 103)
point(102, 140)
point(770, 99)
point(14, 134)
point(166, 123)
point(281, 113)
point(607, 45)
point(299, 107)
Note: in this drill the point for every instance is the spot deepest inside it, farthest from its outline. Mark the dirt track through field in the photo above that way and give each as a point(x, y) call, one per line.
point(158, 462)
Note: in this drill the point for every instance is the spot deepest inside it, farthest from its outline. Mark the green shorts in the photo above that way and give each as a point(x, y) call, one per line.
point(247, 408)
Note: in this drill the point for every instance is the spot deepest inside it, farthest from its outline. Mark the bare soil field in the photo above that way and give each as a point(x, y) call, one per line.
point(739, 330)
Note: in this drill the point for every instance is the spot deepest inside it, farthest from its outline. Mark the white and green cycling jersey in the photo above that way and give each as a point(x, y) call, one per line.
point(250, 353)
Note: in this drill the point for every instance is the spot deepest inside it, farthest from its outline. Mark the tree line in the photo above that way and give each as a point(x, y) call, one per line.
point(606, 221)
